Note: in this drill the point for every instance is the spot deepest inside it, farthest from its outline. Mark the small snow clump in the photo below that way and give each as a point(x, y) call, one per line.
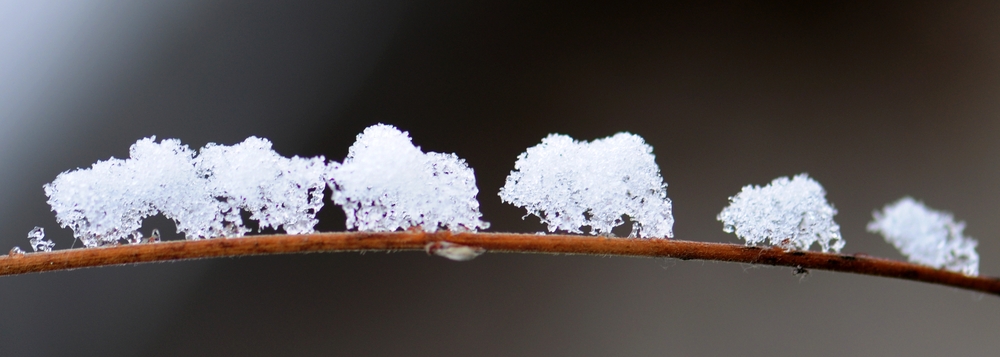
point(275, 190)
point(386, 183)
point(38, 242)
point(792, 214)
point(573, 184)
point(927, 236)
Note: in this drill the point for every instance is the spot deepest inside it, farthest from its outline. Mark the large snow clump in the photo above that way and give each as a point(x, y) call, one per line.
point(277, 191)
point(572, 184)
point(792, 214)
point(107, 202)
point(386, 183)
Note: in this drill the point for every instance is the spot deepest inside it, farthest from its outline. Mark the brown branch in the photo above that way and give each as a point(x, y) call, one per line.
point(494, 242)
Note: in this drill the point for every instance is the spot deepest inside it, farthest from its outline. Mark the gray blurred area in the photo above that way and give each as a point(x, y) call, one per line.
point(875, 100)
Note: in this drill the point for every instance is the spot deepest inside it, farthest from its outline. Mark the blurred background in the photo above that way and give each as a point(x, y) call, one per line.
point(875, 100)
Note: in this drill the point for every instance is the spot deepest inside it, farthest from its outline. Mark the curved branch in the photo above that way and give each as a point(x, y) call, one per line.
point(495, 242)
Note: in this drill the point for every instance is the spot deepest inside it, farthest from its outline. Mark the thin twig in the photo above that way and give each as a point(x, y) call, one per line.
point(494, 242)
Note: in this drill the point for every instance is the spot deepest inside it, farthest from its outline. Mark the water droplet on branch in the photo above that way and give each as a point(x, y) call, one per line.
point(456, 252)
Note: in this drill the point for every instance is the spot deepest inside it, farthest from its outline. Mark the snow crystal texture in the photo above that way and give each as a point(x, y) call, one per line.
point(792, 214)
point(571, 184)
point(275, 190)
point(926, 236)
point(386, 183)
point(107, 202)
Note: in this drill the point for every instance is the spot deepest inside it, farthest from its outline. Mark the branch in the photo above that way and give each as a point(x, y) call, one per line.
point(495, 242)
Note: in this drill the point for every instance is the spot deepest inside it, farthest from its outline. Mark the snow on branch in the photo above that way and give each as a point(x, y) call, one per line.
point(792, 214)
point(107, 202)
point(203, 196)
point(275, 190)
point(926, 236)
point(386, 183)
point(571, 184)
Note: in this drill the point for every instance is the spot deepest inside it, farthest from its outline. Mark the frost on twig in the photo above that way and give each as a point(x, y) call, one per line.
point(386, 183)
point(792, 214)
point(107, 202)
point(927, 236)
point(571, 184)
point(275, 190)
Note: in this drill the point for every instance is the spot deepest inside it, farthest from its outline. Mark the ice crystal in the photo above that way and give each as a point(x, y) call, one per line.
point(203, 196)
point(386, 183)
point(154, 236)
point(275, 190)
point(38, 242)
point(571, 184)
point(792, 214)
point(926, 236)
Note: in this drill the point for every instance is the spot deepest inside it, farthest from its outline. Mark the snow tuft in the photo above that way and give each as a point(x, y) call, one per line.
point(926, 236)
point(203, 196)
point(275, 190)
point(571, 184)
point(107, 202)
point(161, 178)
point(386, 183)
point(792, 214)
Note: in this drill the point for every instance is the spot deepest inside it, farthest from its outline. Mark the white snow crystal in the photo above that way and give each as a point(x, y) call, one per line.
point(38, 242)
point(926, 236)
point(166, 181)
point(107, 202)
point(275, 190)
point(571, 184)
point(386, 183)
point(792, 214)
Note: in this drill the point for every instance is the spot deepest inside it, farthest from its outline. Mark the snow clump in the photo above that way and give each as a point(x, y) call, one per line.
point(791, 214)
point(386, 183)
point(275, 190)
point(926, 236)
point(107, 202)
point(572, 184)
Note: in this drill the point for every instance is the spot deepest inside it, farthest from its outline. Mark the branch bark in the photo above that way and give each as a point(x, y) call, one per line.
point(493, 242)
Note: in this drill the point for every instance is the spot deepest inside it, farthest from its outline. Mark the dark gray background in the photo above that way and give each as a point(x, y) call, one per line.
point(876, 100)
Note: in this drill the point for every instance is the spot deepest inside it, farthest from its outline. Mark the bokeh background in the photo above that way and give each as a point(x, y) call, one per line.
point(876, 100)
